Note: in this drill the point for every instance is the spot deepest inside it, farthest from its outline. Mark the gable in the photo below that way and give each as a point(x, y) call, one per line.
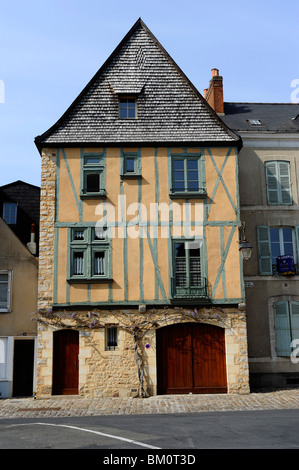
point(169, 108)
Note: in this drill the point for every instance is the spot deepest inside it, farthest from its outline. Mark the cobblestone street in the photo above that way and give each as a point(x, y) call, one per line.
point(62, 406)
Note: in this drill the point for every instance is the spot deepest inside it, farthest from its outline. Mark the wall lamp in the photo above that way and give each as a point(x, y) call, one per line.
point(245, 247)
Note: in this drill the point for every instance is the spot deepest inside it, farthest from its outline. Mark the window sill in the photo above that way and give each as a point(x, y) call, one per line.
point(85, 280)
point(188, 195)
point(131, 176)
point(101, 195)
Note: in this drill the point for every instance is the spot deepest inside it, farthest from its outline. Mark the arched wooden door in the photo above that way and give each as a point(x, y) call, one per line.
point(191, 359)
point(65, 362)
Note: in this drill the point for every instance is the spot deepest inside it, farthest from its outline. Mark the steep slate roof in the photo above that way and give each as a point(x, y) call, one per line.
point(274, 117)
point(27, 196)
point(169, 107)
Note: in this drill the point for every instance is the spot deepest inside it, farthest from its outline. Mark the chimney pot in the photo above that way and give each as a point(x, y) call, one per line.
point(215, 72)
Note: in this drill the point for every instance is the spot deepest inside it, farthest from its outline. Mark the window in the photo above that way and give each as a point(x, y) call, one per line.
point(127, 108)
point(188, 279)
point(286, 325)
point(5, 291)
point(187, 176)
point(254, 122)
point(275, 246)
point(278, 183)
point(111, 338)
point(90, 255)
point(10, 212)
point(93, 175)
point(131, 164)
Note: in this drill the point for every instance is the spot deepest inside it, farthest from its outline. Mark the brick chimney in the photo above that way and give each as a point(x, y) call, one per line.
point(214, 94)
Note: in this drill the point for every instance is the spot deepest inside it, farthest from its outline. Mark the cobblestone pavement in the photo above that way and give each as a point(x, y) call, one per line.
point(62, 406)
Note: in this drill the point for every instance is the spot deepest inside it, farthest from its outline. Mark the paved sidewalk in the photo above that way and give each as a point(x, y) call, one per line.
point(163, 404)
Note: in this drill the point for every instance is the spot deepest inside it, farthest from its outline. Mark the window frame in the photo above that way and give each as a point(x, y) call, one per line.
point(127, 99)
point(89, 246)
point(6, 204)
point(186, 192)
point(264, 246)
point(9, 274)
point(107, 329)
point(136, 173)
point(274, 187)
point(98, 167)
point(188, 291)
point(284, 322)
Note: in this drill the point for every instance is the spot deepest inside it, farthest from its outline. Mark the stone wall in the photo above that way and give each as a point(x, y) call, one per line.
point(105, 373)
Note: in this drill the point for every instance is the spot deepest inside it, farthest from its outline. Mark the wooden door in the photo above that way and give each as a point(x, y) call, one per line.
point(65, 362)
point(23, 367)
point(191, 359)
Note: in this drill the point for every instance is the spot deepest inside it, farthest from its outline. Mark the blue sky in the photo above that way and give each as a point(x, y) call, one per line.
point(49, 50)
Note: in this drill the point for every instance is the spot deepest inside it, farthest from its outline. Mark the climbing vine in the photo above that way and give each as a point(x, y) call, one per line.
point(136, 324)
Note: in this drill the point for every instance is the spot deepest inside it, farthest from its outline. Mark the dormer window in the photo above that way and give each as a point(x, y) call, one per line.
point(255, 122)
point(127, 108)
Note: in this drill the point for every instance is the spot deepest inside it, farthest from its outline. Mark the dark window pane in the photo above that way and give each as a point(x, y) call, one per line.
point(178, 164)
point(192, 165)
point(93, 183)
point(274, 234)
point(287, 234)
point(130, 166)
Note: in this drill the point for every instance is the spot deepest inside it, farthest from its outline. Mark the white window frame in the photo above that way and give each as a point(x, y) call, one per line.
point(9, 291)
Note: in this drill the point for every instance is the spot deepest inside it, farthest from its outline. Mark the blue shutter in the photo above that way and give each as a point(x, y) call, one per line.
point(264, 250)
point(285, 183)
point(282, 328)
point(272, 182)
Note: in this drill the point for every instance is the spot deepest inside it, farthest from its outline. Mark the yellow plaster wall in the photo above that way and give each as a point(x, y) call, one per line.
point(221, 210)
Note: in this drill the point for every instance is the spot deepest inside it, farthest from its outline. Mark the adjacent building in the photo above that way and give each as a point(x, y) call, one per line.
point(268, 179)
point(19, 226)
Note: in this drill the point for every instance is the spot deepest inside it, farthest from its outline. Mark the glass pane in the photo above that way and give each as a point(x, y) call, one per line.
point(192, 165)
point(123, 113)
point(288, 249)
point(130, 164)
point(112, 337)
point(131, 112)
point(3, 278)
point(78, 267)
point(179, 249)
point(93, 183)
point(287, 235)
point(79, 235)
point(10, 212)
point(274, 234)
point(3, 295)
point(99, 263)
point(178, 164)
point(92, 160)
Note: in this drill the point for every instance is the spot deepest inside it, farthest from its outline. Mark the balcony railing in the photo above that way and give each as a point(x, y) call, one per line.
point(190, 292)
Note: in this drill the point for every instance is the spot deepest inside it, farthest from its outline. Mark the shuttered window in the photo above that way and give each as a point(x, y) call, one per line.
point(286, 326)
point(278, 183)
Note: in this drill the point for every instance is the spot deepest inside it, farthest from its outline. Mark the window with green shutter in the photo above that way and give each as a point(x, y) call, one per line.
point(274, 242)
point(286, 325)
point(278, 183)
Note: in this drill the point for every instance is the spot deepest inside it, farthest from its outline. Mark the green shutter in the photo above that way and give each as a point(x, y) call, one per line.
point(264, 250)
point(272, 182)
point(294, 312)
point(285, 183)
point(282, 328)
